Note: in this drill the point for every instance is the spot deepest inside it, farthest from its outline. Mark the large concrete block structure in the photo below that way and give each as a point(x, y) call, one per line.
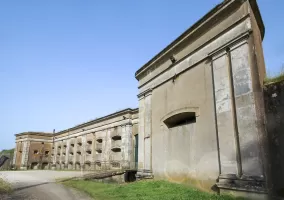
point(201, 106)
point(32, 149)
point(200, 119)
point(103, 143)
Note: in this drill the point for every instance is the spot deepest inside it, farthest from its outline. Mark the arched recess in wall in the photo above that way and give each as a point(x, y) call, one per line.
point(181, 116)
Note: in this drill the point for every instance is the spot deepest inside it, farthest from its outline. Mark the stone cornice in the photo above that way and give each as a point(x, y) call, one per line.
point(50, 136)
point(96, 129)
point(210, 16)
point(145, 93)
point(241, 29)
point(116, 114)
point(35, 133)
point(34, 140)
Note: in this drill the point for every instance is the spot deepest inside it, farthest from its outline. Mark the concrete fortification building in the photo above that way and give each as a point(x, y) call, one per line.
point(201, 113)
point(103, 143)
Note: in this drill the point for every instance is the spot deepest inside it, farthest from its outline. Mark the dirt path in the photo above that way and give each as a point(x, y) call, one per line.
point(40, 185)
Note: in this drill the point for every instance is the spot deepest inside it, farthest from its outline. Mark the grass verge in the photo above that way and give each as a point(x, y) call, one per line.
point(143, 190)
point(277, 77)
point(274, 79)
point(4, 187)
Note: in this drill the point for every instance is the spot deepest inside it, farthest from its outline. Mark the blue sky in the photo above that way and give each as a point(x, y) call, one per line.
point(63, 62)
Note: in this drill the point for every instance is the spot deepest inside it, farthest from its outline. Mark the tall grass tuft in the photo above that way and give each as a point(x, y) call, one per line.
point(276, 77)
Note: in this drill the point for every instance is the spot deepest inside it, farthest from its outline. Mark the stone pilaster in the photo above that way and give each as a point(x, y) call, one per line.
point(239, 147)
point(75, 155)
point(106, 150)
point(67, 151)
point(145, 134)
point(83, 157)
point(25, 154)
point(93, 165)
point(54, 160)
point(61, 154)
point(15, 155)
point(141, 136)
point(126, 146)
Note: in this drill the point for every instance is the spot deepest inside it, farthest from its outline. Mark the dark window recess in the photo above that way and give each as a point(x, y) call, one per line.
point(116, 150)
point(72, 145)
point(42, 143)
point(99, 150)
point(115, 165)
point(89, 152)
point(89, 142)
point(116, 137)
point(99, 140)
point(46, 152)
point(180, 119)
point(35, 151)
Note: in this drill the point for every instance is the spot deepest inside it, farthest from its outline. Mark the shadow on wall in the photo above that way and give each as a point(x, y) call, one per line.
point(274, 108)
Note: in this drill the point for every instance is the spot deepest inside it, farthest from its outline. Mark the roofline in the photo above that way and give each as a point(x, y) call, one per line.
point(254, 5)
point(258, 17)
point(124, 111)
point(34, 133)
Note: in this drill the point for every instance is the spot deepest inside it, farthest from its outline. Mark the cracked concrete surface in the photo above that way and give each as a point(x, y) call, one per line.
point(40, 185)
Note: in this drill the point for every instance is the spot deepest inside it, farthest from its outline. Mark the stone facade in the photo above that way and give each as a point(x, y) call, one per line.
point(104, 143)
point(201, 114)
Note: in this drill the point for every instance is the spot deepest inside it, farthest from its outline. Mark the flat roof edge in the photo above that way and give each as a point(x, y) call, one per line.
point(203, 19)
point(34, 133)
point(124, 111)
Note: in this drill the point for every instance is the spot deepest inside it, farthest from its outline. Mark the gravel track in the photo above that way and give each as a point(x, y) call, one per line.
point(40, 185)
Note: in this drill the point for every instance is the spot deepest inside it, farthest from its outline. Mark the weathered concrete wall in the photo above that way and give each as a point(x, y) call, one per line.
point(274, 104)
point(185, 153)
point(42, 157)
point(18, 154)
point(213, 71)
point(78, 148)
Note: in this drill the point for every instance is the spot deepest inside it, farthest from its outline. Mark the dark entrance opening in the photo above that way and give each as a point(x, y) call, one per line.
point(136, 151)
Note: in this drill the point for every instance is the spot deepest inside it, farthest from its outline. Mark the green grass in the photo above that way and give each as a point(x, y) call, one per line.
point(4, 187)
point(142, 190)
point(274, 79)
point(279, 76)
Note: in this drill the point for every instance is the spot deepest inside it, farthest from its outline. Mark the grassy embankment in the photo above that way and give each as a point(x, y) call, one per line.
point(4, 187)
point(142, 190)
point(278, 77)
